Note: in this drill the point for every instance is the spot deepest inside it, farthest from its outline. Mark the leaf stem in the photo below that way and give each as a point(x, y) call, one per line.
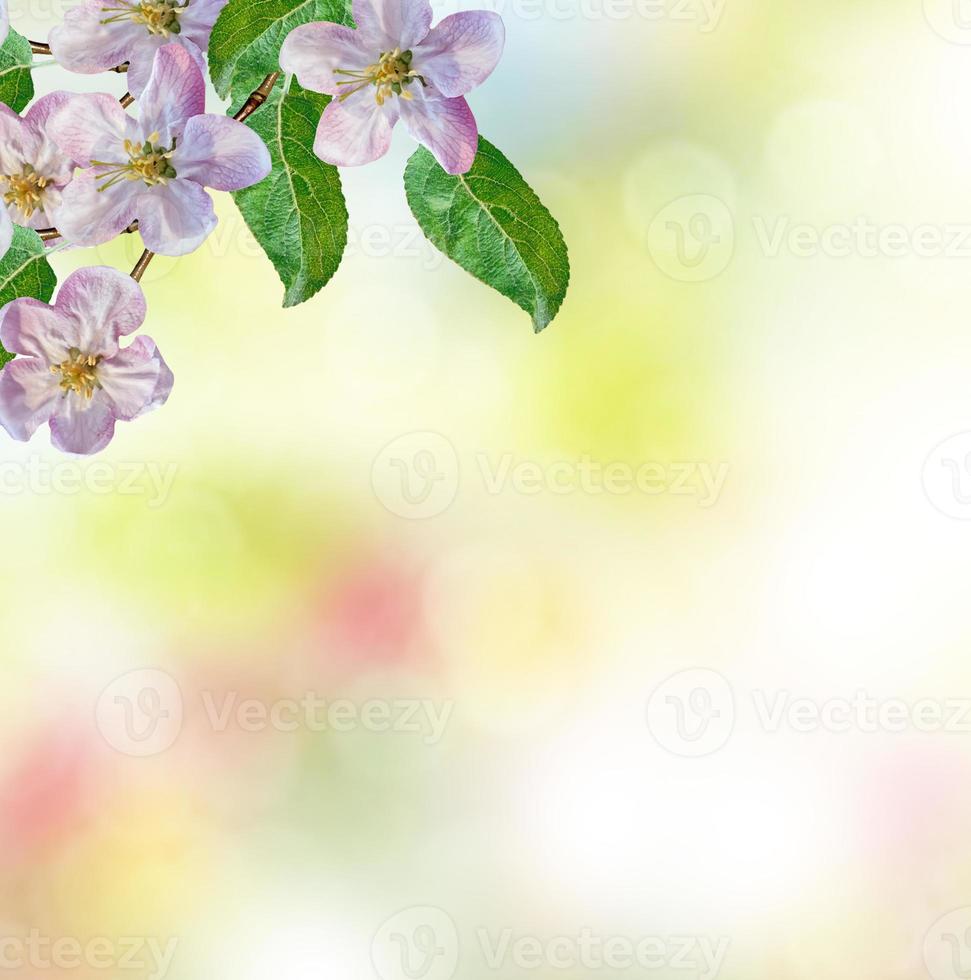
point(259, 96)
point(141, 265)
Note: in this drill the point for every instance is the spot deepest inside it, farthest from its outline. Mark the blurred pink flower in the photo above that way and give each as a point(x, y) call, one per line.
point(396, 66)
point(101, 34)
point(71, 371)
point(154, 170)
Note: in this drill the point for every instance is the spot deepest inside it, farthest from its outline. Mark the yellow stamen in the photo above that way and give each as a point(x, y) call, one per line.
point(389, 74)
point(25, 190)
point(79, 373)
point(158, 16)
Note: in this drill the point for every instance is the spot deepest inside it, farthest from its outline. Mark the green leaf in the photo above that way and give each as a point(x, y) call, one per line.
point(245, 44)
point(25, 271)
point(16, 85)
point(297, 213)
point(492, 224)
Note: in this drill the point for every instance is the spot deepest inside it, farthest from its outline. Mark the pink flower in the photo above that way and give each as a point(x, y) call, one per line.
point(154, 169)
point(71, 371)
point(33, 170)
point(101, 34)
point(394, 66)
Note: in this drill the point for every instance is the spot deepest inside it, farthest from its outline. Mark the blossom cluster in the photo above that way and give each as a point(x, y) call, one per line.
point(83, 169)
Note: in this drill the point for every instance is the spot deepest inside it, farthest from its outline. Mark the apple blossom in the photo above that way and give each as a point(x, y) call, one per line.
point(396, 66)
point(100, 34)
point(153, 170)
point(71, 371)
point(33, 170)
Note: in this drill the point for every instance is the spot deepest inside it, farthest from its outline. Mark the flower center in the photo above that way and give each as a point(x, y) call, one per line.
point(26, 190)
point(158, 16)
point(78, 373)
point(148, 161)
point(389, 75)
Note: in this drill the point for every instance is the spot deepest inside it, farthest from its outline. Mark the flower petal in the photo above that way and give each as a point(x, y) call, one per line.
point(198, 18)
point(461, 52)
point(314, 52)
point(355, 132)
point(82, 425)
point(6, 232)
point(392, 23)
point(136, 379)
point(84, 43)
point(28, 396)
point(88, 216)
point(104, 304)
point(219, 152)
point(176, 91)
point(34, 329)
point(175, 218)
point(90, 127)
point(4, 21)
point(142, 59)
point(447, 127)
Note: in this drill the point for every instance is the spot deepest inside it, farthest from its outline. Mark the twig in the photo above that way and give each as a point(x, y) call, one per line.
point(141, 265)
point(257, 98)
point(126, 100)
point(48, 234)
point(39, 47)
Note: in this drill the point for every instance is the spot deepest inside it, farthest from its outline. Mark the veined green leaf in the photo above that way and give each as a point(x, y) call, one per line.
point(297, 213)
point(492, 224)
point(16, 84)
point(245, 44)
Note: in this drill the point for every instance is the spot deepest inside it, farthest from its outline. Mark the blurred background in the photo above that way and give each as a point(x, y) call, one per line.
point(403, 643)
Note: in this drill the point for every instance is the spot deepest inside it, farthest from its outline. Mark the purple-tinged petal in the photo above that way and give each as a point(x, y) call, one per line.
point(91, 127)
point(49, 159)
point(447, 127)
point(355, 132)
point(392, 24)
point(89, 216)
point(176, 91)
point(4, 21)
point(136, 380)
point(142, 59)
point(314, 52)
point(15, 141)
point(84, 43)
point(103, 304)
point(29, 394)
point(197, 20)
point(82, 425)
point(34, 329)
point(175, 218)
point(219, 152)
point(461, 52)
point(6, 232)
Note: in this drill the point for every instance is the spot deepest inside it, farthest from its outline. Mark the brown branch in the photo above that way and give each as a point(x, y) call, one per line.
point(48, 234)
point(141, 265)
point(257, 98)
point(126, 100)
point(40, 47)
